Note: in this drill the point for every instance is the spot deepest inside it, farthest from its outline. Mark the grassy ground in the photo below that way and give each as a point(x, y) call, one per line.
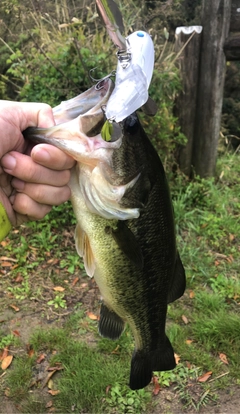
point(50, 308)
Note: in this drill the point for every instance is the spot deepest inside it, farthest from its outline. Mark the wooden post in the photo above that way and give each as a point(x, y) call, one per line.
point(216, 21)
point(188, 40)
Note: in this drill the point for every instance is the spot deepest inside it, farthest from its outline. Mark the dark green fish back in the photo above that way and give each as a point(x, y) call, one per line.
point(157, 275)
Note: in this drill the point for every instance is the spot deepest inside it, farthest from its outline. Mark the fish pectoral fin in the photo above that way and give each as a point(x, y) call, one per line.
point(178, 282)
point(144, 363)
point(110, 324)
point(79, 240)
point(127, 242)
point(84, 250)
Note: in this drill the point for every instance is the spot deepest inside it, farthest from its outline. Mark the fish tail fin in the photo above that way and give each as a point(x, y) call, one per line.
point(143, 364)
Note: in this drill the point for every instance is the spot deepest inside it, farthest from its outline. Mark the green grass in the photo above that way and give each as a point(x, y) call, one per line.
point(94, 379)
point(96, 372)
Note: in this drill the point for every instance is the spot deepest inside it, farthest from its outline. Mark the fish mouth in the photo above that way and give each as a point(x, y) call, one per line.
point(78, 123)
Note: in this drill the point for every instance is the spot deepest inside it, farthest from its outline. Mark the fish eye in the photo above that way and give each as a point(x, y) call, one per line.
point(131, 124)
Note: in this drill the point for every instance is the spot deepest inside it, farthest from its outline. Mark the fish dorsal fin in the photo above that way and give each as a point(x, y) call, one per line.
point(110, 324)
point(178, 282)
point(84, 250)
point(150, 107)
point(127, 242)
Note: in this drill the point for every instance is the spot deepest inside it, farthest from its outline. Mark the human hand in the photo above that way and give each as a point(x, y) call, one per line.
point(30, 185)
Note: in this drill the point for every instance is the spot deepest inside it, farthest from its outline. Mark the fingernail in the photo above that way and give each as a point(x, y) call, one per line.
point(40, 155)
point(18, 184)
point(8, 162)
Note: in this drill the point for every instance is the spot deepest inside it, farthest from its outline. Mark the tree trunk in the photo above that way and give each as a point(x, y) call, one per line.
point(188, 39)
point(216, 21)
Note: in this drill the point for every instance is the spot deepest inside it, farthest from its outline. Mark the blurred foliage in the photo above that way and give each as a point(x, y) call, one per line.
point(231, 105)
point(47, 50)
point(56, 45)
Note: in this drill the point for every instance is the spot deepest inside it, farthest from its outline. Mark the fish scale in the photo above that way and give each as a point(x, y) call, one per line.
point(134, 261)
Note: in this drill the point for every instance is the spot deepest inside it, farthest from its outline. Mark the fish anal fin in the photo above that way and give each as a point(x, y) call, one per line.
point(127, 242)
point(110, 324)
point(143, 364)
point(178, 282)
point(84, 250)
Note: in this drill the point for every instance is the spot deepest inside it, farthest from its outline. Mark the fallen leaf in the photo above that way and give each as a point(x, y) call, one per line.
point(205, 377)
point(115, 351)
point(59, 289)
point(4, 353)
point(108, 389)
point(18, 279)
point(4, 243)
point(92, 316)
point(46, 382)
point(156, 386)
point(217, 263)
point(53, 392)
point(185, 319)
point(50, 384)
point(16, 333)
point(9, 259)
point(189, 341)
point(7, 392)
point(6, 362)
point(31, 353)
point(221, 175)
point(55, 368)
point(53, 261)
point(49, 404)
point(177, 358)
point(231, 237)
point(14, 307)
point(75, 281)
point(230, 259)
point(6, 264)
point(33, 248)
point(40, 358)
point(223, 358)
point(191, 294)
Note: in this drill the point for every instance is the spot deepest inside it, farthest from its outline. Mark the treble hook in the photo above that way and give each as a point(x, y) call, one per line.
point(99, 85)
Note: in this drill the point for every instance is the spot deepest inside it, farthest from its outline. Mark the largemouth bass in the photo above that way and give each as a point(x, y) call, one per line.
point(125, 231)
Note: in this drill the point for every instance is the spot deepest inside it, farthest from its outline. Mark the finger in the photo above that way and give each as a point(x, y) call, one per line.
point(25, 205)
point(43, 194)
point(23, 167)
point(36, 114)
point(51, 157)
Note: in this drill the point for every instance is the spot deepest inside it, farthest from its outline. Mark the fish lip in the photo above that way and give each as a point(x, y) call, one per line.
point(80, 136)
point(88, 101)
